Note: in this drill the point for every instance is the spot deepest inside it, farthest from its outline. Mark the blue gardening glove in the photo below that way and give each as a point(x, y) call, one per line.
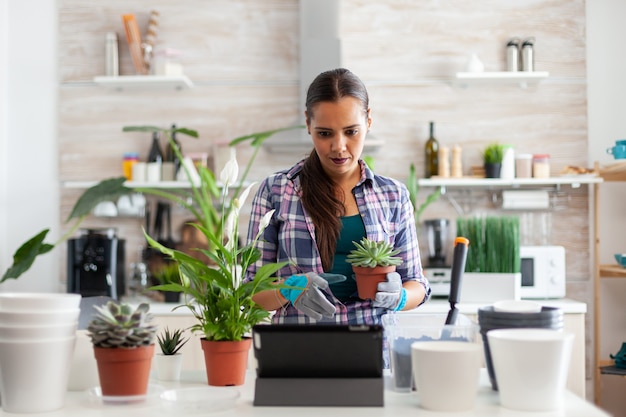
point(390, 294)
point(308, 297)
point(333, 278)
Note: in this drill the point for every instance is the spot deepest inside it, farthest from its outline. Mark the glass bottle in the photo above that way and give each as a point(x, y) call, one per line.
point(170, 155)
point(431, 154)
point(155, 160)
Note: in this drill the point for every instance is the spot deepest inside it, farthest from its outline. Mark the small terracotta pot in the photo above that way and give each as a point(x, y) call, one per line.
point(226, 361)
point(367, 279)
point(124, 371)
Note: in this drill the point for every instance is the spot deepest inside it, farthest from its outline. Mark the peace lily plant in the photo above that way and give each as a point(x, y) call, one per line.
point(201, 201)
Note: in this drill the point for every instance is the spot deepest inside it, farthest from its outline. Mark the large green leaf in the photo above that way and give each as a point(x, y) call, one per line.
point(183, 130)
point(257, 139)
point(106, 190)
point(26, 254)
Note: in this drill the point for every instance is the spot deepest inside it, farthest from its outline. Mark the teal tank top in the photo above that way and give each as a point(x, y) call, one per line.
point(352, 229)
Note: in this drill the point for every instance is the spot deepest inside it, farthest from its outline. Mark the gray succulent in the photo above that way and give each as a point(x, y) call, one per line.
point(117, 325)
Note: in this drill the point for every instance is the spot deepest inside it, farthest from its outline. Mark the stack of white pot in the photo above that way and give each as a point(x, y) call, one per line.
point(37, 337)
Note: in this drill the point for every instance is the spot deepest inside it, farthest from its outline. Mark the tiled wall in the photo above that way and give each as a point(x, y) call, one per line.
point(242, 56)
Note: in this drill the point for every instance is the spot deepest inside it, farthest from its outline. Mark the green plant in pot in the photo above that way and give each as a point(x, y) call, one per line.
point(169, 361)
point(371, 261)
point(168, 274)
point(492, 159)
point(123, 341)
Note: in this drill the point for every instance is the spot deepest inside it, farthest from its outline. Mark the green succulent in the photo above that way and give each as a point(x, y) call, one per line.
point(369, 254)
point(117, 325)
point(171, 342)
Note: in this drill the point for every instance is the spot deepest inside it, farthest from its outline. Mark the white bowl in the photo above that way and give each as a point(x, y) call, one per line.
point(24, 301)
point(37, 318)
point(517, 306)
point(35, 333)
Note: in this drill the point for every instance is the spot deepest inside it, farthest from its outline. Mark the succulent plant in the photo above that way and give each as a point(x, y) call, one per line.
point(171, 342)
point(369, 254)
point(117, 325)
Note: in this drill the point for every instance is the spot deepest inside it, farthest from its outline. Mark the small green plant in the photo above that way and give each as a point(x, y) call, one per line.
point(370, 254)
point(493, 154)
point(167, 274)
point(171, 341)
point(119, 326)
point(412, 184)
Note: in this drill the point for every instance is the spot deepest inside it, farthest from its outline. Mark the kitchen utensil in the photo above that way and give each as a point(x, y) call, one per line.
point(458, 266)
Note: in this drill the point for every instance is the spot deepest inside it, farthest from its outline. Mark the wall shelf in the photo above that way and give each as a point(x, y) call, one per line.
point(178, 82)
point(523, 78)
point(574, 181)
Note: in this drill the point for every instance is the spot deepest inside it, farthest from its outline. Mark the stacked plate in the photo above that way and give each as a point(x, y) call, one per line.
point(37, 336)
point(491, 319)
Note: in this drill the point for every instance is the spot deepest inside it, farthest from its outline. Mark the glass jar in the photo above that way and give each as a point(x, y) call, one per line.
point(130, 159)
point(541, 166)
point(523, 165)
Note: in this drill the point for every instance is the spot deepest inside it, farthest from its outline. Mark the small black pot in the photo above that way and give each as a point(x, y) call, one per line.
point(492, 170)
point(171, 296)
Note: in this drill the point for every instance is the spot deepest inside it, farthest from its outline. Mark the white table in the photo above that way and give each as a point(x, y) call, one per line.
point(78, 404)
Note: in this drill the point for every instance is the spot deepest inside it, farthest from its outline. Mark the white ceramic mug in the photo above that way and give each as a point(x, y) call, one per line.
point(446, 374)
point(531, 367)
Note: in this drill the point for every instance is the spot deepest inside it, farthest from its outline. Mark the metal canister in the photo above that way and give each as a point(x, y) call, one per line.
point(512, 55)
point(528, 56)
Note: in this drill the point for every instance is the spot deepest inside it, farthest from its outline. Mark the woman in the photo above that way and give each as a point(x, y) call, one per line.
point(324, 203)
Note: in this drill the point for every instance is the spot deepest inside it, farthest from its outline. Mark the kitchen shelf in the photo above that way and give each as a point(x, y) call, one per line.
point(523, 78)
point(574, 181)
point(615, 172)
point(172, 185)
point(178, 82)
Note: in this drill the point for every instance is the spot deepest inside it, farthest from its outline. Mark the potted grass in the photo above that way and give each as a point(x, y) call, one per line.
point(123, 343)
point(492, 159)
point(371, 262)
point(167, 274)
point(169, 362)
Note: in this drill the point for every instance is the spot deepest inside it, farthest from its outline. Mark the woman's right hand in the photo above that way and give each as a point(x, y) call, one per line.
point(306, 295)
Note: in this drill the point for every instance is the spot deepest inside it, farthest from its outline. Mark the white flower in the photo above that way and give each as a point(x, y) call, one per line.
point(265, 221)
point(229, 174)
point(230, 230)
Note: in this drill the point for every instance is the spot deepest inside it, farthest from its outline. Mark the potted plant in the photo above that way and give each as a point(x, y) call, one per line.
point(169, 361)
point(167, 274)
point(492, 159)
point(371, 261)
point(123, 343)
point(215, 294)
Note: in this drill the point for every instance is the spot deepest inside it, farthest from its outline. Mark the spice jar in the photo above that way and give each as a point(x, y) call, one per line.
point(523, 165)
point(130, 159)
point(541, 166)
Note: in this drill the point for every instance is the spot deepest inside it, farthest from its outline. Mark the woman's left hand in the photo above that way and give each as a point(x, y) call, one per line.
point(389, 293)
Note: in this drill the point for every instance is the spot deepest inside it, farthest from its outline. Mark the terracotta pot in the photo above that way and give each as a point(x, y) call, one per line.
point(367, 279)
point(124, 372)
point(226, 361)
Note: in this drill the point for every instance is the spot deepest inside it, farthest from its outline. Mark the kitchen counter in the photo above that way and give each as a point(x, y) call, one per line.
point(396, 404)
point(573, 311)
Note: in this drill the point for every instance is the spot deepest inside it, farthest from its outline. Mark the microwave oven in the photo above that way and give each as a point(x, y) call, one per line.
point(543, 271)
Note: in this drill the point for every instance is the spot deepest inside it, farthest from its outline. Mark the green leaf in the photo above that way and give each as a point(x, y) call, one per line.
point(183, 130)
point(257, 139)
point(106, 190)
point(26, 254)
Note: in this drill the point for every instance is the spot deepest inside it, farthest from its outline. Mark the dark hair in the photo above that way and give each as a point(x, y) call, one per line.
point(319, 196)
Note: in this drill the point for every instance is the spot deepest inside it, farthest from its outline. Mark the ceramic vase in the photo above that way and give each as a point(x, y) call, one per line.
point(226, 361)
point(124, 371)
point(367, 279)
point(168, 367)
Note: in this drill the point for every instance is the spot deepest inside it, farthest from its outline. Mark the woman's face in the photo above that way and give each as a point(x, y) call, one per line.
point(338, 130)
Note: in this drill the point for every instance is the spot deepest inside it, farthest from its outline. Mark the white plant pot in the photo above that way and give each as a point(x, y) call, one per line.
point(168, 366)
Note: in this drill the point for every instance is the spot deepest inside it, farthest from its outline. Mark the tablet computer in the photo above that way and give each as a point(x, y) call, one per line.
point(318, 351)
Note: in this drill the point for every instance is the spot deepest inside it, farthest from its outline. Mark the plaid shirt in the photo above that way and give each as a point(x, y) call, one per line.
point(387, 214)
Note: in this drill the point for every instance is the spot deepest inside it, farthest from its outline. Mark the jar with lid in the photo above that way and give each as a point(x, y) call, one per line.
point(130, 159)
point(541, 166)
point(528, 56)
point(512, 54)
point(523, 165)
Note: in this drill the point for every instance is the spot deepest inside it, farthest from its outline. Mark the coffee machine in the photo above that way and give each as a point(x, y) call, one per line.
point(438, 269)
point(96, 263)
